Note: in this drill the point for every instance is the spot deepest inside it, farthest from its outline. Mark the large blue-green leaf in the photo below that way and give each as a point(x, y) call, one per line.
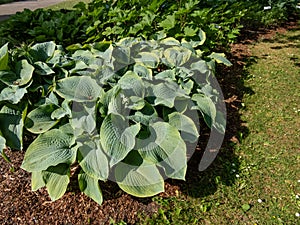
point(122, 56)
point(4, 57)
point(119, 105)
point(39, 120)
point(220, 58)
point(164, 147)
point(146, 115)
point(170, 41)
point(24, 73)
point(177, 56)
point(90, 186)
point(149, 59)
point(49, 149)
point(201, 71)
point(57, 179)
point(140, 181)
point(83, 117)
point(43, 69)
point(132, 84)
point(11, 126)
point(37, 180)
point(62, 111)
point(13, 94)
point(166, 92)
point(42, 51)
point(94, 162)
point(78, 88)
point(207, 107)
point(2, 144)
point(183, 123)
point(117, 137)
point(143, 71)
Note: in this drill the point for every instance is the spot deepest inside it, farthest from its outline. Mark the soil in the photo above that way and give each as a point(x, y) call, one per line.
point(19, 205)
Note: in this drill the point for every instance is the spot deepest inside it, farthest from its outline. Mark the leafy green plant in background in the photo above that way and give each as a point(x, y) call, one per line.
point(112, 20)
point(120, 107)
point(65, 27)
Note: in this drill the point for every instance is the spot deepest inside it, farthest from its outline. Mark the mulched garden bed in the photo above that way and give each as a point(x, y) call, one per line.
point(19, 205)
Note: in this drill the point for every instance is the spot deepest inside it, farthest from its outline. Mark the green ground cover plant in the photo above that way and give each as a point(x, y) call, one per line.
point(122, 106)
point(112, 20)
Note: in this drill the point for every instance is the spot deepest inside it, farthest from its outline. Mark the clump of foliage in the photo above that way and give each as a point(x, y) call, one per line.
point(109, 109)
point(64, 27)
point(269, 12)
point(113, 20)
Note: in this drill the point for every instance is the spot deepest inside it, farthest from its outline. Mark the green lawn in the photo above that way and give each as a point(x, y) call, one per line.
point(266, 163)
point(67, 4)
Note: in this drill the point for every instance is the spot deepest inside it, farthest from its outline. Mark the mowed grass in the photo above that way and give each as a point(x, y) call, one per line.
point(266, 166)
point(67, 4)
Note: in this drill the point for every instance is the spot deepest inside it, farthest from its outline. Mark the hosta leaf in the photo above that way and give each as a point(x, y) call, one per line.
point(43, 69)
point(79, 67)
point(39, 120)
point(170, 41)
point(2, 145)
point(84, 56)
point(188, 128)
point(132, 84)
point(167, 74)
point(165, 93)
point(202, 36)
point(42, 51)
point(11, 126)
point(50, 148)
point(177, 56)
point(142, 71)
point(94, 162)
point(166, 148)
point(122, 56)
point(22, 76)
point(51, 99)
point(78, 88)
point(220, 58)
point(146, 115)
point(140, 181)
point(37, 180)
point(57, 179)
point(206, 107)
point(90, 186)
point(220, 122)
point(24, 71)
point(117, 137)
point(13, 94)
point(83, 117)
point(64, 110)
point(136, 103)
point(4, 57)
point(104, 73)
point(148, 59)
point(118, 105)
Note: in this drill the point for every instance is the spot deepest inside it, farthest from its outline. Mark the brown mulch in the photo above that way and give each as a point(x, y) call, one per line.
point(19, 205)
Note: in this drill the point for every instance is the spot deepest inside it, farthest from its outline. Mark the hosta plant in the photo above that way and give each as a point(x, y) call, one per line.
point(123, 111)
